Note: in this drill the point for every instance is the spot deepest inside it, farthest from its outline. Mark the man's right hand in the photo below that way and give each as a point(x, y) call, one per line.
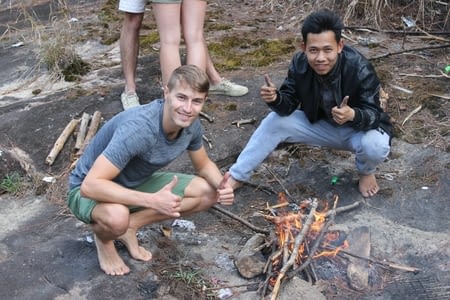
point(268, 91)
point(167, 202)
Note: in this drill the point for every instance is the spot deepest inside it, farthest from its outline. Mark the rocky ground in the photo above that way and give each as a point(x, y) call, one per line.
point(45, 253)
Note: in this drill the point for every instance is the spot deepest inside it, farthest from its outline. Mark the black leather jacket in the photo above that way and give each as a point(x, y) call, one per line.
point(353, 76)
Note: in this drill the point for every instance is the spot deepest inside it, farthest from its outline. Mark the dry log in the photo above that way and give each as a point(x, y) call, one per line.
point(95, 123)
point(59, 144)
point(82, 132)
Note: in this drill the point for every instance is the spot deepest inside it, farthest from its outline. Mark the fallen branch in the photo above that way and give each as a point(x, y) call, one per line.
point(59, 144)
point(409, 50)
point(208, 141)
point(374, 261)
point(343, 208)
point(82, 132)
point(243, 121)
point(369, 29)
point(246, 223)
point(446, 97)
point(279, 181)
point(207, 117)
point(95, 123)
point(416, 110)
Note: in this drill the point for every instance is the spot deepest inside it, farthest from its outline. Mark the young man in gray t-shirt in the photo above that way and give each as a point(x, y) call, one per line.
point(116, 186)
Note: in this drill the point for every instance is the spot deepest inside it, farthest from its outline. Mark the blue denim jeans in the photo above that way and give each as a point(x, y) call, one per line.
point(370, 147)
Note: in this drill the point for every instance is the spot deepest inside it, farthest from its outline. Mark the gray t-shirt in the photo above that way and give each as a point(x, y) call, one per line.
point(135, 143)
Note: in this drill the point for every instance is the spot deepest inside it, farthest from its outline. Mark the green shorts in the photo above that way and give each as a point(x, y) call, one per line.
point(82, 207)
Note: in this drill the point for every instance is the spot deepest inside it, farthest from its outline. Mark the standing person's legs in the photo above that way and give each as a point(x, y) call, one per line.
point(129, 48)
point(192, 21)
point(219, 85)
point(168, 20)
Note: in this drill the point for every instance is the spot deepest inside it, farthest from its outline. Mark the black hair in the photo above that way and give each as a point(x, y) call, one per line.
point(320, 21)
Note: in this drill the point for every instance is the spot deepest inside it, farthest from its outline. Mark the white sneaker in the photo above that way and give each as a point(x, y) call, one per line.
point(129, 100)
point(228, 88)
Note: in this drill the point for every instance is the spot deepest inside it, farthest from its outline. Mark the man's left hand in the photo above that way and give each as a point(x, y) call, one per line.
point(343, 113)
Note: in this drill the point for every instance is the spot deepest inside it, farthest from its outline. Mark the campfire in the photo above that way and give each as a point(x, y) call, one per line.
point(301, 235)
point(300, 239)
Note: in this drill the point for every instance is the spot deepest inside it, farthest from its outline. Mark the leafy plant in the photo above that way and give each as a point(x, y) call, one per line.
point(12, 184)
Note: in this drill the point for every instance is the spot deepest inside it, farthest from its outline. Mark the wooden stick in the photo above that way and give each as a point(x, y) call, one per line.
point(207, 117)
point(382, 263)
point(409, 50)
point(298, 240)
point(246, 223)
point(319, 238)
point(95, 123)
point(343, 208)
point(82, 132)
point(59, 144)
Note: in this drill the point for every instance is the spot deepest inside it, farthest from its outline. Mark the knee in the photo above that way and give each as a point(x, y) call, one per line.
point(205, 193)
point(374, 148)
point(133, 21)
point(115, 218)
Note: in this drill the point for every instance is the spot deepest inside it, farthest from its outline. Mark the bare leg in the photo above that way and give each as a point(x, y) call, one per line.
point(129, 48)
point(108, 258)
point(169, 28)
point(131, 242)
point(211, 71)
point(368, 185)
point(110, 221)
point(192, 21)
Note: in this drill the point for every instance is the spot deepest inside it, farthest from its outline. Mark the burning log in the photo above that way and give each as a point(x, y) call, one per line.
point(298, 240)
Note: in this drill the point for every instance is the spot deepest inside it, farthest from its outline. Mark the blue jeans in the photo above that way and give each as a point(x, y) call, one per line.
point(370, 147)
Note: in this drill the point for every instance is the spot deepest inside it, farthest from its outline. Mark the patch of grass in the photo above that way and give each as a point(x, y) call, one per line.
point(190, 282)
point(61, 60)
point(147, 41)
point(13, 184)
point(233, 52)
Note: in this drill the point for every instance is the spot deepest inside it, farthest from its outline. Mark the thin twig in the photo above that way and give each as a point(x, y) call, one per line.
point(246, 223)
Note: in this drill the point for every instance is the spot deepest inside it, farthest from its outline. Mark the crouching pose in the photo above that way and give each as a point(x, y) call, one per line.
point(329, 98)
point(116, 186)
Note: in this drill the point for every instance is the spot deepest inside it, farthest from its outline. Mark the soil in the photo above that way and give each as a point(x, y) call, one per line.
point(45, 253)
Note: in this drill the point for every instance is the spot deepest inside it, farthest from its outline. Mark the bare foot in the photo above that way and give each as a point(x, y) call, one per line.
point(130, 241)
point(109, 259)
point(234, 183)
point(368, 185)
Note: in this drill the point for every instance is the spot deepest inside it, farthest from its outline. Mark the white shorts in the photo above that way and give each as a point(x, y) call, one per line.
point(132, 6)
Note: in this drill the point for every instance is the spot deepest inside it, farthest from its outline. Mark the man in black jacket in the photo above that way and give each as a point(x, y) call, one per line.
point(329, 98)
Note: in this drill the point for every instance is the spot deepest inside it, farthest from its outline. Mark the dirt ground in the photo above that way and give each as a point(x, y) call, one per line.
point(45, 253)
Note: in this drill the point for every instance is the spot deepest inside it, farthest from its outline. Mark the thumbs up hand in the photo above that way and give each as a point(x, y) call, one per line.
point(343, 113)
point(225, 192)
point(268, 91)
point(166, 201)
